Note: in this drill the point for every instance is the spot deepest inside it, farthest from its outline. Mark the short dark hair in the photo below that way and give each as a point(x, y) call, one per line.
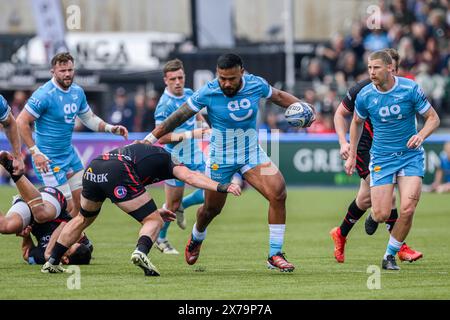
point(173, 65)
point(229, 60)
point(62, 57)
point(82, 255)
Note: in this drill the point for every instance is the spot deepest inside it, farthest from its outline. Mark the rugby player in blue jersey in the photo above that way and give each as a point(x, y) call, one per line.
point(52, 108)
point(396, 155)
point(183, 144)
point(232, 102)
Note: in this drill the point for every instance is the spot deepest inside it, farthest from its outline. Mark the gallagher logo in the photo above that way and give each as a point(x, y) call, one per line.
point(120, 192)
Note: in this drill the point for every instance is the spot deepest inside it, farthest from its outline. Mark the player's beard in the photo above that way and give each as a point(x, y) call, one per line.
point(63, 84)
point(231, 92)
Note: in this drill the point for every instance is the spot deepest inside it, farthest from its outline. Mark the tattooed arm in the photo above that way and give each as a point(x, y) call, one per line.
point(173, 121)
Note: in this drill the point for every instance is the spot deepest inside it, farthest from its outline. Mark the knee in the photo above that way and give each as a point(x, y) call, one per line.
point(379, 215)
point(211, 211)
point(407, 211)
point(278, 195)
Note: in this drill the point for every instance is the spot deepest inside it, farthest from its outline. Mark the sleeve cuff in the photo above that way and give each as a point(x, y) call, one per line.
point(30, 110)
point(191, 105)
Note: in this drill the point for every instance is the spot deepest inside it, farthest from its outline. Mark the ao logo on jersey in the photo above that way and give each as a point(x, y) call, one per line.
point(237, 105)
point(393, 110)
point(70, 110)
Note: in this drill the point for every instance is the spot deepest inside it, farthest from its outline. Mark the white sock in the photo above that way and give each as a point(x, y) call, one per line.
point(198, 236)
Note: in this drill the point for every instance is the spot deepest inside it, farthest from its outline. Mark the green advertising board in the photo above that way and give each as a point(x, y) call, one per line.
point(314, 159)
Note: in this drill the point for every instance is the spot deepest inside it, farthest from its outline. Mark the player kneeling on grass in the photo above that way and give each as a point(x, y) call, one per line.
point(121, 175)
point(20, 221)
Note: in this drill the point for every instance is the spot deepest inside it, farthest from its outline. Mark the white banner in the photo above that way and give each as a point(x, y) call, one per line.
point(113, 50)
point(49, 20)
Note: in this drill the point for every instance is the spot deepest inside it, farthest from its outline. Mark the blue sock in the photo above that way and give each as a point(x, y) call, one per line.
point(276, 238)
point(193, 198)
point(163, 232)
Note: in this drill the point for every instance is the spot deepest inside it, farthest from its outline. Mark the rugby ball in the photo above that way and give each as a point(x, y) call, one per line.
point(299, 114)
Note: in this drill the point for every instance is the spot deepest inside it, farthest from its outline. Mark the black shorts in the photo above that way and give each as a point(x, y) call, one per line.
point(112, 179)
point(362, 163)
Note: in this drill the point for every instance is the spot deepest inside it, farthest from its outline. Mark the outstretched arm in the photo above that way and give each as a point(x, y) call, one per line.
point(173, 121)
point(199, 180)
point(95, 123)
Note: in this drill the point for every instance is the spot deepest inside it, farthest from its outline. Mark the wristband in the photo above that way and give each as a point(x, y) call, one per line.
point(151, 138)
point(108, 127)
point(35, 150)
point(223, 187)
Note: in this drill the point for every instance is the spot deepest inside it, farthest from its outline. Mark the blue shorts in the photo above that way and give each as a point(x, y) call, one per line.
point(59, 169)
point(385, 169)
point(224, 172)
point(193, 167)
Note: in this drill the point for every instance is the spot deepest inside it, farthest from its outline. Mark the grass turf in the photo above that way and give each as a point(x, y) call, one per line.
point(232, 261)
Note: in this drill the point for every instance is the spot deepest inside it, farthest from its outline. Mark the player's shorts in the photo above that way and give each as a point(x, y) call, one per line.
point(362, 163)
point(193, 167)
point(59, 169)
point(385, 169)
point(222, 172)
point(112, 179)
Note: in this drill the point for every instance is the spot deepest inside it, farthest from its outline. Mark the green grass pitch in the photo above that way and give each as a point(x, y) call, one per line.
point(232, 261)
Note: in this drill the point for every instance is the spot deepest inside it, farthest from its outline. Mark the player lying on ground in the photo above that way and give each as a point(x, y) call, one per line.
point(19, 220)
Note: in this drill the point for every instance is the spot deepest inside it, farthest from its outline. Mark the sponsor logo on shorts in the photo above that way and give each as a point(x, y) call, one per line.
point(56, 169)
point(377, 168)
point(120, 192)
point(97, 178)
point(214, 166)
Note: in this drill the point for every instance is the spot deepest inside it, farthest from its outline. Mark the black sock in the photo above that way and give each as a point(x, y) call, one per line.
point(392, 220)
point(144, 244)
point(57, 252)
point(352, 216)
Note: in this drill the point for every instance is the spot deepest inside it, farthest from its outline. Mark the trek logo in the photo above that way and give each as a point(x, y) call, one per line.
point(237, 105)
point(97, 178)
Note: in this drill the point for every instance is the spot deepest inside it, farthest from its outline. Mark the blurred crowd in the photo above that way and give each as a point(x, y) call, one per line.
point(418, 29)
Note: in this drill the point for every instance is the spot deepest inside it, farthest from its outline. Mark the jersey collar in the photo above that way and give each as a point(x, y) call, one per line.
point(58, 87)
point(166, 92)
point(389, 91)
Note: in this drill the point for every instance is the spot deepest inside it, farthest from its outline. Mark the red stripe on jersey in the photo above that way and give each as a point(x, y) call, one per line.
point(368, 128)
point(119, 157)
point(106, 156)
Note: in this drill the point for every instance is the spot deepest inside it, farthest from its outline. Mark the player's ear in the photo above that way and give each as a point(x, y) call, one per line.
point(52, 71)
